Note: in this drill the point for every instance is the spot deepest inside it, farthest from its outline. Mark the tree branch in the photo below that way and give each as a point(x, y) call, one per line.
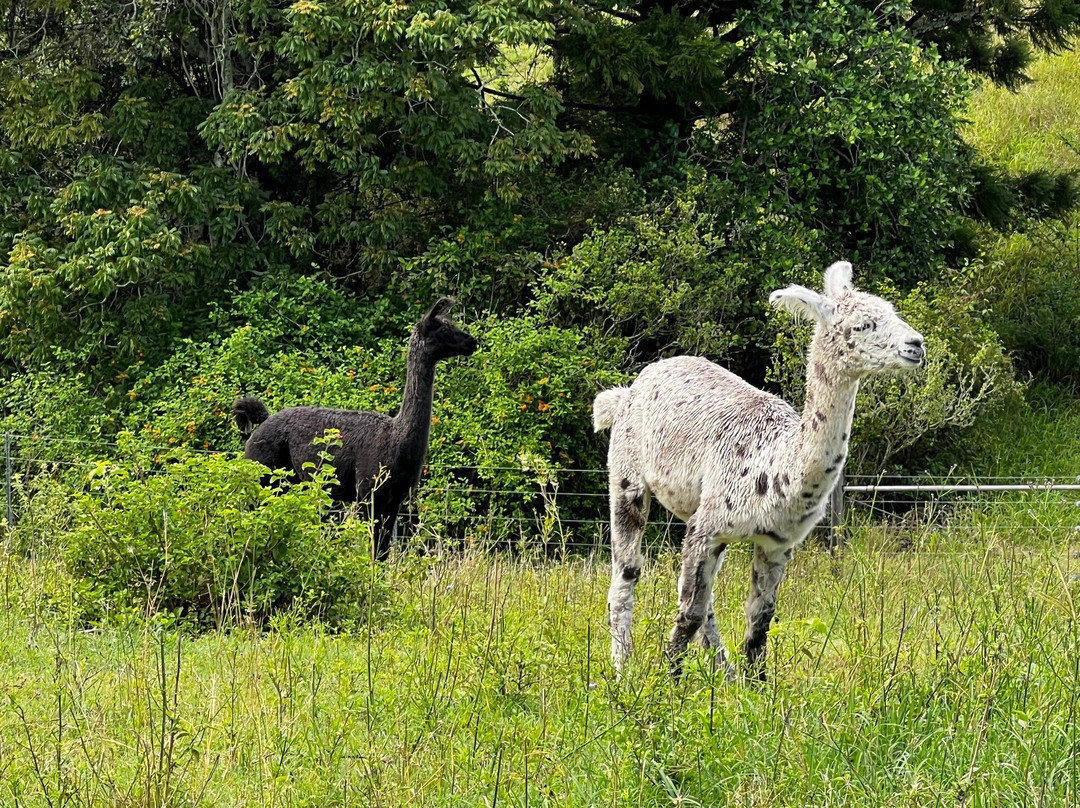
point(921, 25)
point(622, 15)
point(11, 24)
point(579, 105)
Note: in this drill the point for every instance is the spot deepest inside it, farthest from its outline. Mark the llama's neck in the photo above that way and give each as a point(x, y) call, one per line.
point(413, 421)
point(825, 428)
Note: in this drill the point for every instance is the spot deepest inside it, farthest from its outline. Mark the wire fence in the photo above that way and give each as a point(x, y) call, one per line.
point(568, 507)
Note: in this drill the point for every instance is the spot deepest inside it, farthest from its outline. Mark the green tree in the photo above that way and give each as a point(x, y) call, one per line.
point(155, 157)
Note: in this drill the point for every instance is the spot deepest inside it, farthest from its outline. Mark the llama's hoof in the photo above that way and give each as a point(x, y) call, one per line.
point(675, 662)
point(755, 674)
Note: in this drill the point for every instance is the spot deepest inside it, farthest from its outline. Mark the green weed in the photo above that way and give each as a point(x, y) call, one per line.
point(942, 675)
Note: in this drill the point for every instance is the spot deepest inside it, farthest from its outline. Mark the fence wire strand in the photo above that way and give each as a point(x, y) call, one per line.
point(574, 500)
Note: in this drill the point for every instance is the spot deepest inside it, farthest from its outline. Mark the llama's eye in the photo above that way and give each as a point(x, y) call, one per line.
point(862, 327)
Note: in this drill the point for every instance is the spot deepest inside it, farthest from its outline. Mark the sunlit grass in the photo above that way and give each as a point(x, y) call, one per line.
point(944, 674)
point(1035, 127)
point(1042, 438)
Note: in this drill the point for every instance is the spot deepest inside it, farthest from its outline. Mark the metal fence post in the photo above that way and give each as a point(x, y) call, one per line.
point(836, 513)
point(7, 489)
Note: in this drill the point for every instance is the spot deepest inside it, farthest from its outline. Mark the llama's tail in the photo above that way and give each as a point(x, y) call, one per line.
point(608, 405)
point(249, 412)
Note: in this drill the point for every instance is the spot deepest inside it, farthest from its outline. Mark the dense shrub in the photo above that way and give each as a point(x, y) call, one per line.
point(514, 413)
point(121, 259)
point(290, 340)
point(849, 127)
point(53, 404)
point(1031, 282)
point(689, 274)
point(201, 537)
point(521, 403)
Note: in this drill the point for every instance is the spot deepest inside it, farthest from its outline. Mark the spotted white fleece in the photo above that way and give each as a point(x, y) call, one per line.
point(737, 463)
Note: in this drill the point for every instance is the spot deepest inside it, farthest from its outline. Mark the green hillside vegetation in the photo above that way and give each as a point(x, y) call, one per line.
point(1040, 439)
point(1035, 126)
point(205, 200)
point(1030, 269)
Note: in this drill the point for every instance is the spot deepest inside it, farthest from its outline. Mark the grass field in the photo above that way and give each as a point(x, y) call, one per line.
point(1035, 127)
point(1041, 440)
point(942, 675)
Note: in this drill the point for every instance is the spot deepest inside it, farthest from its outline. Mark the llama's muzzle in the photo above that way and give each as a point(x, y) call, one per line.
point(913, 351)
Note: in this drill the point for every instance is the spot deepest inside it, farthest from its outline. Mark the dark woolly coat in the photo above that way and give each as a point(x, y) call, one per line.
point(370, 442)
point(375, 448)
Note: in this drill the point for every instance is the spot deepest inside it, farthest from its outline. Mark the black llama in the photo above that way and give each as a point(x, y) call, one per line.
point(372, 444)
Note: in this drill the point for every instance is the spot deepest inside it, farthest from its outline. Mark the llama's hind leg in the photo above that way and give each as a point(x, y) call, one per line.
point(709, 635)
point(768, 572)
point(629, 513)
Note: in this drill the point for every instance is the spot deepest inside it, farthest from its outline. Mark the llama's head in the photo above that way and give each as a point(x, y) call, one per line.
point(858, 333)
point(436, 337)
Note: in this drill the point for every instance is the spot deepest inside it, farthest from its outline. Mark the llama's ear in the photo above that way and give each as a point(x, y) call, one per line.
point(838, 279)
point(442, 305)
point(803, 303)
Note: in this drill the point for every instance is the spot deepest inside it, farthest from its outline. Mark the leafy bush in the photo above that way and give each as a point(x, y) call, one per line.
point(1031, 282)
point(521, 403)
point(56, 424)
point(491, 262)
point(690, 274)
point(289, 340)
point(849, 127)
point(515, 412)
point(201, 537)
point(51, 403)
point(118, 262)
point(913, 418)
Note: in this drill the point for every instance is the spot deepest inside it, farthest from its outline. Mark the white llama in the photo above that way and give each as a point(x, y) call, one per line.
point(737, 463)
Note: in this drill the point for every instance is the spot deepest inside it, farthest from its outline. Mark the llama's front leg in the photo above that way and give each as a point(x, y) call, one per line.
point(629, 511)
point(695, 595)
point(385, 526)
point(768, 571)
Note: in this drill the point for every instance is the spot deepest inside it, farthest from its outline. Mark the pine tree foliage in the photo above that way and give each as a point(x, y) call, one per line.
point(995, 38)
